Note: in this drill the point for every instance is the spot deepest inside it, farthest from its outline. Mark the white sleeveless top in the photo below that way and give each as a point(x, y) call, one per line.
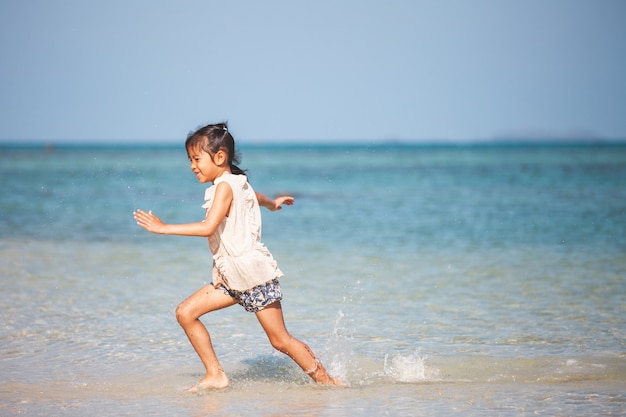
point(240, 260)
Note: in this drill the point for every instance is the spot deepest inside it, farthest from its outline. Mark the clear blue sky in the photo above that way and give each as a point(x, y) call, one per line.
point(292, 70)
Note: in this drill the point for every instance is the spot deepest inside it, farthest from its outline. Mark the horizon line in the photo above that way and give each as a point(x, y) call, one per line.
point(317, 142)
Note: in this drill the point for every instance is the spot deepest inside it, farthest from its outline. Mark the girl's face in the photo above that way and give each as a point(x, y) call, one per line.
point(206, 167)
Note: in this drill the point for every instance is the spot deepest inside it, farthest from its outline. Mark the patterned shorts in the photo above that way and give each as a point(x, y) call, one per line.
point(256, 298)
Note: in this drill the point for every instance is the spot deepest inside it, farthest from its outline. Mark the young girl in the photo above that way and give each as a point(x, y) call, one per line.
point(244, 271)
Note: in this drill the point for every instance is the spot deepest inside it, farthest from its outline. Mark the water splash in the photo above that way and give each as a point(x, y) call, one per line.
point(408, 368)
point(339, 346)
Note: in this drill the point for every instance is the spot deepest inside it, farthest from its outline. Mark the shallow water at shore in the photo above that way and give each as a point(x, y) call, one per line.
point(488, 281)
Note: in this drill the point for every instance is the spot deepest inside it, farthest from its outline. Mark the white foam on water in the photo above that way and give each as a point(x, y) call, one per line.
point(408, 368)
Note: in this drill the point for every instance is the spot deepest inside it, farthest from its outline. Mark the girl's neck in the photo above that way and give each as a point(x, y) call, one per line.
point(224, 172)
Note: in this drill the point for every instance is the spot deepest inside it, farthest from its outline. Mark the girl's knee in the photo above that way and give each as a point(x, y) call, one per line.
point(183, 314)
point(282, 343)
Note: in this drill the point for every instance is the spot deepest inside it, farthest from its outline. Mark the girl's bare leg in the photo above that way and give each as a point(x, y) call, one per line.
point(271, 319)
point(188, 315)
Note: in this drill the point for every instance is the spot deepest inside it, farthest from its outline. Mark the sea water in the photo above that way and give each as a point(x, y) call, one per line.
point(437, 280)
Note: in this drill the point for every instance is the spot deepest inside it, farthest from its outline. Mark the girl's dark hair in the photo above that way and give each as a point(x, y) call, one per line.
point(214, 138)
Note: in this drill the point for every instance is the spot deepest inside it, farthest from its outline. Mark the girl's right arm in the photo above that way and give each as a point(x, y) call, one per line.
point(219, 209)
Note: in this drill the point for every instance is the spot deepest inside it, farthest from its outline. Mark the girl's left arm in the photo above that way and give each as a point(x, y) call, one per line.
point(275, 204)
point(219, 209)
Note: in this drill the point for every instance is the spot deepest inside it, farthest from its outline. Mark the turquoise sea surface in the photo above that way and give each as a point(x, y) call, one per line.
point(485, 279)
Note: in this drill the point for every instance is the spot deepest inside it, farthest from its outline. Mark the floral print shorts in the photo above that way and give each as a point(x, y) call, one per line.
point(257, 298)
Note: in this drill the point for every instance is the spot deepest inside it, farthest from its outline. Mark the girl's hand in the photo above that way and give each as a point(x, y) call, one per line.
point(279, 201)
point(275, 204)
point(149, 221)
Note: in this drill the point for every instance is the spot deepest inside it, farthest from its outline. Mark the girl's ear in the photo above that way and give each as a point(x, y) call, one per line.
point(220, 158)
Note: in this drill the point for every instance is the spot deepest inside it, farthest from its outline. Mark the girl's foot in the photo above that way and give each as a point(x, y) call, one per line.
point(210, 383)
point(336, 382)
point(319, 375)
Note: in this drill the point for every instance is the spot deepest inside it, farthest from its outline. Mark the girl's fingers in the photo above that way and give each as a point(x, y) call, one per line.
point(141, 216)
